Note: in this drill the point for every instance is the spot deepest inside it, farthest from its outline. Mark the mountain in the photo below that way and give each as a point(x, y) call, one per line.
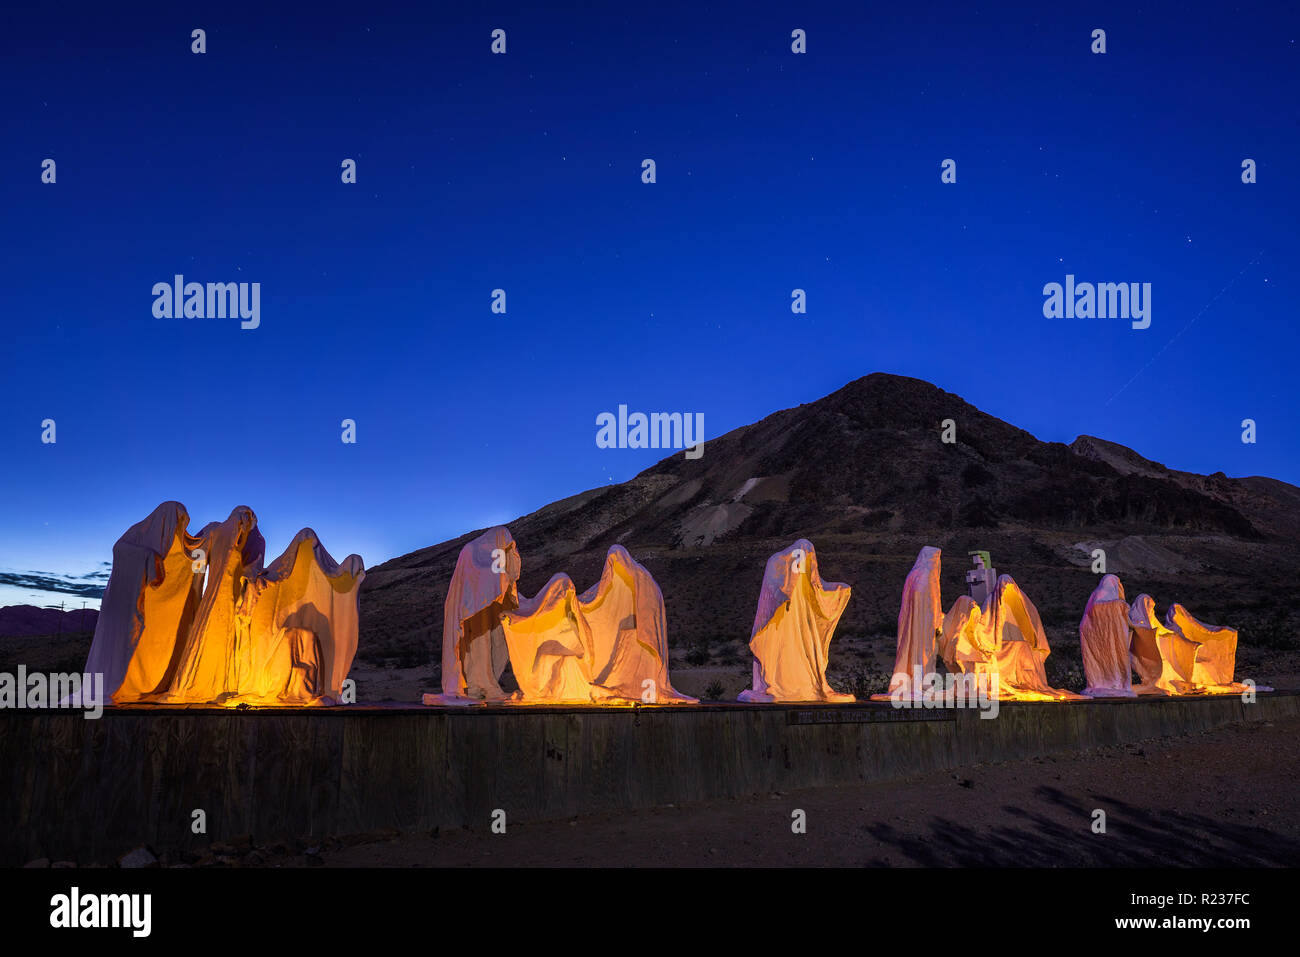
point(864, 474)
point(26, 620)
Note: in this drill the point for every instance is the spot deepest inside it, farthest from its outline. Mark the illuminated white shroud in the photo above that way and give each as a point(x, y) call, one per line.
point(148, 605)
point(550, 645)
point(207, 671)
point(1105, 637)
point(194, 619)
point(1164, 660)
point(793, 626)
point(609, 644)
point(299, 625)
point(483, 586)
point(920, 626)
point(1214, 667)
point(629, 634)
point(1005, 638)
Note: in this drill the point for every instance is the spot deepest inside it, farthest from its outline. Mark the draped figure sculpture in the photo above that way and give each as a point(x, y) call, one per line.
point(302, 617)
point(474, 652)
point(207, 672)
point(1215, 661)
point(1163, 659)
point(148, 606)
point(194, 619)
point(967, 645)
point(1022, 647)
point(550, 645)
point(1105, 638)
point(793, 626)
point(629, 633)
point(920, 626)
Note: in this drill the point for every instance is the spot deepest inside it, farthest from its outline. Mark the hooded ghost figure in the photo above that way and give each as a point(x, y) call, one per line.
point(1163, 659)
point(550, 645)
point(629, 634)
point(1104, 639)
point(1021, 646)
point(967, 647)
point(208, 669)
point(1216, 652)
point(474, 652)
point(302, 614)
point(920, 625)
point(148, 605)
point(793, 626)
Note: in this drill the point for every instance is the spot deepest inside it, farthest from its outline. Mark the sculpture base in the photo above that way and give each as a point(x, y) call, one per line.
point(89, 790)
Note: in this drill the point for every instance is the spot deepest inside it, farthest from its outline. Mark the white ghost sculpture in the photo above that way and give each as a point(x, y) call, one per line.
point(920, 627)
point(1104, 641)
point(629, 633)
point(474, 652)
point(1215, 664)
point(303, 614)
point(148, 606)
point(793, 626)
point(1164, 660)
point(207, 671)
point(550, 645)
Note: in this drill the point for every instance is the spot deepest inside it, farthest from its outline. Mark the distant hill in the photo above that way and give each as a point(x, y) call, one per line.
point(864, 475)
point(24, 620)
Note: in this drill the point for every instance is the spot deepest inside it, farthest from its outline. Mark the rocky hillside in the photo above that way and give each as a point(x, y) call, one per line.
point(865, 475)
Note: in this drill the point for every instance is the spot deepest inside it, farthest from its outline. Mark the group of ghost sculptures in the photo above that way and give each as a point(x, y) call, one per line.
point(793, 625)
point(1001, 642)
point(1176, 657)
point(607, 645)
point(196, 619)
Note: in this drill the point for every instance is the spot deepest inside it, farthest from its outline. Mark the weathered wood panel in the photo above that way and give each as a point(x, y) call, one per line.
point(89, 790)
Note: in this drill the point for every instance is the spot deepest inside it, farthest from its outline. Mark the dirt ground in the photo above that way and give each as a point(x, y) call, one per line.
point(1215, 798)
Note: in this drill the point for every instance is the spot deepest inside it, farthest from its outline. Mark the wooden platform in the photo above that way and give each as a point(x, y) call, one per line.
point(88, 790)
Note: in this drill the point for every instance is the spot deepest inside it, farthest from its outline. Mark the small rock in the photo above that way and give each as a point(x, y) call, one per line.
point(39, 862)
point(138, 857)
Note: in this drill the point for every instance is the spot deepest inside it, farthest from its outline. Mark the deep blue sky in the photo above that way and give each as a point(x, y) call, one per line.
point(522, 171)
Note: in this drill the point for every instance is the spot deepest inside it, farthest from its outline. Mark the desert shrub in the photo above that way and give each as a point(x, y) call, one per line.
point(714, 691)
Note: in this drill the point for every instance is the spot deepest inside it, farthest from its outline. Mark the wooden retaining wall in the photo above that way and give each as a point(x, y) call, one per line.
point(88, 790)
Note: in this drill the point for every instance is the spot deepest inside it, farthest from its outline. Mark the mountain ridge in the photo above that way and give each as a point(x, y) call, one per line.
point(863, 472)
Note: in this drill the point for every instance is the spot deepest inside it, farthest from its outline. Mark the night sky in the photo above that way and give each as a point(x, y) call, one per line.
point(523, 171)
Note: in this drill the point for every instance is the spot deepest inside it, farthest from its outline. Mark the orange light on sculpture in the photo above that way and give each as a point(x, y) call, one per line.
point(793, 626)
point(1215, 661)
point(1164, 660)
point(195, 620)
point(474, 653)
point(1005, 640)
point(1105, 639)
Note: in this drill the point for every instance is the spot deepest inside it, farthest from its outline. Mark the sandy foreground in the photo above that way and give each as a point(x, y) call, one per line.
point(1222, 797)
